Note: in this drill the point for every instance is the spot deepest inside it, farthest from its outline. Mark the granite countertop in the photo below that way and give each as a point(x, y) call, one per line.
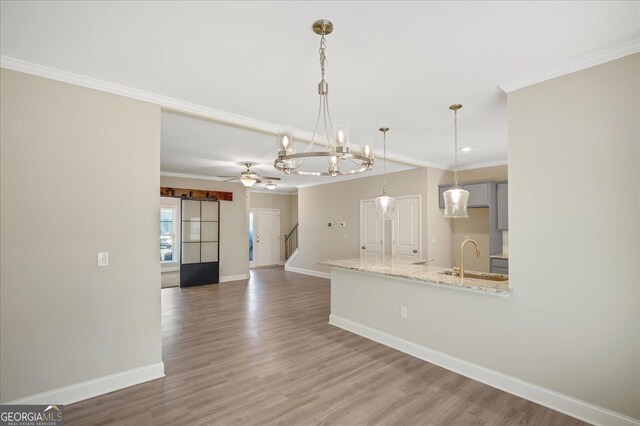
point(499, 256)
point(427, 274)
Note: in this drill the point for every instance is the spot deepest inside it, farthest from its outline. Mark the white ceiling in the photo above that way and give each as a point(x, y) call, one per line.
point(398, 64)
point(196, 146)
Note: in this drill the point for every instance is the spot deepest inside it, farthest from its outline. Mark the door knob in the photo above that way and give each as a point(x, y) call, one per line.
point(415, 250)
point(363, 247)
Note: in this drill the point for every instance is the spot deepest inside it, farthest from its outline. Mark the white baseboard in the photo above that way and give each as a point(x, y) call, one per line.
point(308, 272)
point(228, 278)
point(565, 404)
point(289, 268)
point(91, 388)
point(291, 258)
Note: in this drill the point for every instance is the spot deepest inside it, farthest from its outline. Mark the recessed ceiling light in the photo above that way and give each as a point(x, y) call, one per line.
point(466, 149)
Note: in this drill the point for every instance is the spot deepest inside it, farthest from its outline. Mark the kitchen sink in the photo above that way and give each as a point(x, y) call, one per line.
point(488, 277)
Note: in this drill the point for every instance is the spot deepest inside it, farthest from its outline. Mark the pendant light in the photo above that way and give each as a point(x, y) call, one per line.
point(385, 205)
point(455, 198)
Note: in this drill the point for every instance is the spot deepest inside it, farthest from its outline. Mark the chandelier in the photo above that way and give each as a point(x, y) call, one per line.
point(334, 157)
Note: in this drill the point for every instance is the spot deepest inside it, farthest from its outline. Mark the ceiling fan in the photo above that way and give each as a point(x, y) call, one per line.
point(248, 178)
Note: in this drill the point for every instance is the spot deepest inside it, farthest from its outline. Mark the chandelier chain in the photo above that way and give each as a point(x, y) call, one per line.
point(323, 56)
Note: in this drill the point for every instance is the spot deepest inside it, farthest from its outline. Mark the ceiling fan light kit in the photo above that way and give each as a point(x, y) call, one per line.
point(340, 160)
point(249, 178)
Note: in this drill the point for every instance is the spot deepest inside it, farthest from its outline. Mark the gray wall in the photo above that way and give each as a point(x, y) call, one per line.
point(572, 324)
point(79, 175)
point(234, 226)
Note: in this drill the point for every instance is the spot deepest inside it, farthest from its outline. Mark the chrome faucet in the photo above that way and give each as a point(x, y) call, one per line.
point(468, 240)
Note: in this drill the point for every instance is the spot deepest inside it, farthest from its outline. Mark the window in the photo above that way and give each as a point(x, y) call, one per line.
point(168, 234)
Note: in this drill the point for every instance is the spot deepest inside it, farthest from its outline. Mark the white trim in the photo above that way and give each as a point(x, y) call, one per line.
point(239, 277)
point(613, 53)
point(176, 104)
point(395, 221)
point(287, 263)
point(170, 269)
point(483, 165)
point(254, 210)
point(94, 387)
point(563, 403)
point(307, 272)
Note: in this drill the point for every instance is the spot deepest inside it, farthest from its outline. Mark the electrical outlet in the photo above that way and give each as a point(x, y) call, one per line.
point(103, 259)
point(403, 312)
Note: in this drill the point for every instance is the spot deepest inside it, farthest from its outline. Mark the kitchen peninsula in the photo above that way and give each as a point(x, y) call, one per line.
point(420, 273)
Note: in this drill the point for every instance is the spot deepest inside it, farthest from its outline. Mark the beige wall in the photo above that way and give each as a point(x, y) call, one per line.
point(294, 211)
point(477, 226)
point(79, 175)
point(572, 324)
point(574, 233)
point(484, 173)
point(234, 227)
point(282, 202)
point(439, 229)
point(340, 201)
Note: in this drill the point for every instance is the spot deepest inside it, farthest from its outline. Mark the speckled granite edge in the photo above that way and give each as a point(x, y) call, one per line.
point(427, 274)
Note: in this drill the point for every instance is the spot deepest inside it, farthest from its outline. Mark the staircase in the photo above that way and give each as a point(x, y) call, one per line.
point(291, 242)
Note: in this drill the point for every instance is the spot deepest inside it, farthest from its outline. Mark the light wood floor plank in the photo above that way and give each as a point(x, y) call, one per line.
point(262, 352)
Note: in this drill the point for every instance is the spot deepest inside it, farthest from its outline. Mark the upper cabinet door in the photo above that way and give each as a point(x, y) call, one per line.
point(478, 194)
point(503, 206)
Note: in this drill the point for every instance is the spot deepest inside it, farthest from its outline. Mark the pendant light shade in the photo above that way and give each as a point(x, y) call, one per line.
point(385, 205)
point(455, 198)
point(455, 203)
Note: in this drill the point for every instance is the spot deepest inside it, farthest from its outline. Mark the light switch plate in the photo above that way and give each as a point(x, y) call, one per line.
point(103, 259)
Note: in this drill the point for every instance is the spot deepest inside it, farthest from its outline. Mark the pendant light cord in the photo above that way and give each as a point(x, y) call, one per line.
point(384, 163)
point(455, 146)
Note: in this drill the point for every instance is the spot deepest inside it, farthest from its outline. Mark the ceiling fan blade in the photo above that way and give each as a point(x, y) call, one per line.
point(270, 177)
point(229, 180)
point(229, 177)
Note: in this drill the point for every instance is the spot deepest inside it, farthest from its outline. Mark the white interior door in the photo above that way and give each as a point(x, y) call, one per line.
point(267, 237)
point(371, 235)
point(405, 232)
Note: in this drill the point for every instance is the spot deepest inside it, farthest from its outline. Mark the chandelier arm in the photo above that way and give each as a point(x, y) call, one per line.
point(326, 129)
point(328, 111)
point(315, 131)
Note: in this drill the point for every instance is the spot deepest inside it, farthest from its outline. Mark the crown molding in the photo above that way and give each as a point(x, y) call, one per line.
point(176, 105)
point(482, 165)
point(217, 179)
point(613, 53)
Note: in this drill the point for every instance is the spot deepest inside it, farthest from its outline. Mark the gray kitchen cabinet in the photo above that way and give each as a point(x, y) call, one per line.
point(503, 206)
point(479, 194)
point(499, 266)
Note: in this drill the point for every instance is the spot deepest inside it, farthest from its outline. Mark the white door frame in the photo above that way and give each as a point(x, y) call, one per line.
point(393, 236)
point(252, 264)
point(362, 243)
